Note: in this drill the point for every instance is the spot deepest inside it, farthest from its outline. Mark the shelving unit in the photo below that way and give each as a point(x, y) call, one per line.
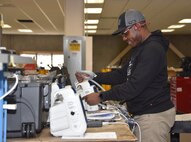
point(5, 59)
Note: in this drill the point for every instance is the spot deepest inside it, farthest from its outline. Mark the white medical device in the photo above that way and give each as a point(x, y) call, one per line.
point(67, 117)
point(54, 88)
point(83, 89)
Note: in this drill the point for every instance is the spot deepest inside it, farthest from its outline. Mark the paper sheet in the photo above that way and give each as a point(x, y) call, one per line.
point(96, 135)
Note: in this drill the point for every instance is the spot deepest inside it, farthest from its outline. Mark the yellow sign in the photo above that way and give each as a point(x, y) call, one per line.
point(74, 47)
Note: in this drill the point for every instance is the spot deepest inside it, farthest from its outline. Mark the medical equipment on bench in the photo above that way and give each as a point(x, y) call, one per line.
point(67, 117)
point(32, 105)
point(60, 82)
point(84, 88)
point(6, 59)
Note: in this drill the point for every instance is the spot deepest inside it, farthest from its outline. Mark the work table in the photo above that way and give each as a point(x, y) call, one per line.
point(122, 131)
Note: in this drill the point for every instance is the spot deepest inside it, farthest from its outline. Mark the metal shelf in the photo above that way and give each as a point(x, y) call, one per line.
point(7, 58)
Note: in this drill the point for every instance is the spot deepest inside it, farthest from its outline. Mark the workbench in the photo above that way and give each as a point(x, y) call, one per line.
point(122, 131)
point(181, 125)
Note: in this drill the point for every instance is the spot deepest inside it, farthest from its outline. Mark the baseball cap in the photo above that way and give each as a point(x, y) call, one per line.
point(128, 19)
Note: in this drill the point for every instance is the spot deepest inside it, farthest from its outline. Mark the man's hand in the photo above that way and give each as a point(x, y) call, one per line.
point(92, 99)
point(85, 74)
point(81, 76)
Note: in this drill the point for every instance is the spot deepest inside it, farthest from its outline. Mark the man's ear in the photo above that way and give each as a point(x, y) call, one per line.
point(137, 26)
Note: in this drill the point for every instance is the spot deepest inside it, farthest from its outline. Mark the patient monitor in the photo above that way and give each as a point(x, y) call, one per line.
point(67, 117)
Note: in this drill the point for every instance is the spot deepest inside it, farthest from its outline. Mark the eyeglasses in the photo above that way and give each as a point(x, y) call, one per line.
point(125, 32)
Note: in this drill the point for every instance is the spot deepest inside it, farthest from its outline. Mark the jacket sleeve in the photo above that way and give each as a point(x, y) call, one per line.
point(148, 66)
point(112, 78)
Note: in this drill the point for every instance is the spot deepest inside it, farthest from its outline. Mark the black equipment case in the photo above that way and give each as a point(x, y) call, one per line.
point(28, 118)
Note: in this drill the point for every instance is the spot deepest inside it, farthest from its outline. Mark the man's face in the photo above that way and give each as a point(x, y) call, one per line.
point(132, 36)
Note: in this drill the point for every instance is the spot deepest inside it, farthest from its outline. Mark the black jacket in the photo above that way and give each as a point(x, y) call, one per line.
point(142, 81)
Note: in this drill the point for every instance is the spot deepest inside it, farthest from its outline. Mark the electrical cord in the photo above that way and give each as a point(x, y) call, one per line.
point(132, 121)
point(31, 110)
point(97, 84)
point(14, 86)
point(128, 119)
point(126, 123)
point(139, 129)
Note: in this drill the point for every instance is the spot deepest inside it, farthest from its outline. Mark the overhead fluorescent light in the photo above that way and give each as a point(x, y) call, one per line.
point(90, 26)
point(6, 26)
point(167, 30)
point(93, 1)
point(90, 31)
point(91, 21)
point(93, 10)
point(175, 26)
point(25, 30)
point(185, 21)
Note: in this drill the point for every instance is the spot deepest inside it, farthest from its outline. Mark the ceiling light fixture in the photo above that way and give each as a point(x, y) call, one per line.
point(167, 30)
point(90, 26)
point(91, 22)
point(185, 21)
point(93, 10)
point(90, 31)
point(175, 26)
point(93, 1)
point(6, 26)
point(25, 30)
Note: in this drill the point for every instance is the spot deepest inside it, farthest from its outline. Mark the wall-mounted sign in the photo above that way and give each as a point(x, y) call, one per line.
point(74, 46)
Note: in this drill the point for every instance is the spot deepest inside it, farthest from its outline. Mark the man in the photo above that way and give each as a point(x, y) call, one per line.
point(142, 81)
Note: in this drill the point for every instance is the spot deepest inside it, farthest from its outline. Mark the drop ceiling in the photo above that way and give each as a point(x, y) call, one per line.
point(48, 15)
